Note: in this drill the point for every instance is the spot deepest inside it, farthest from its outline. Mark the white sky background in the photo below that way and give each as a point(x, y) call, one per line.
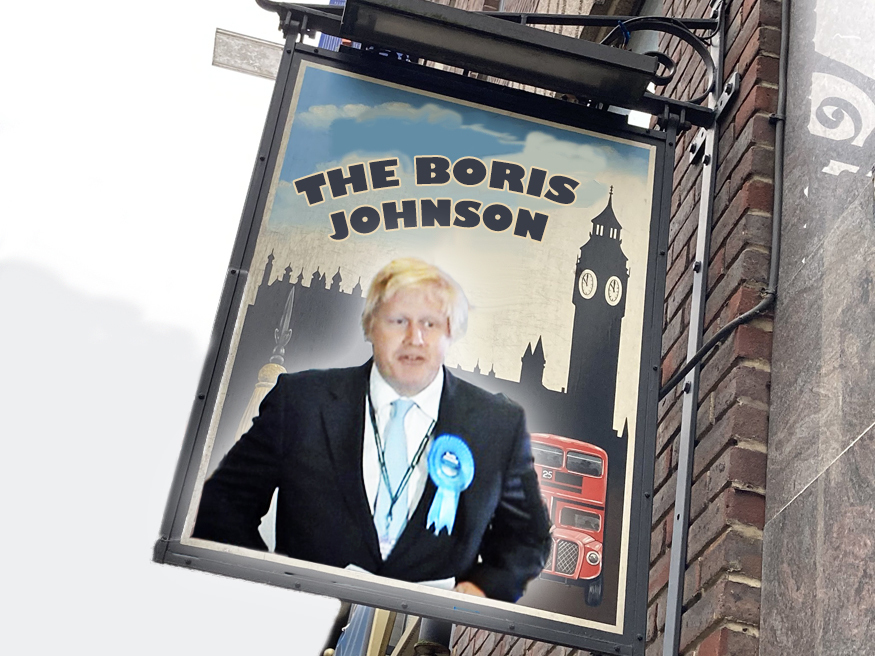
point(124, 163)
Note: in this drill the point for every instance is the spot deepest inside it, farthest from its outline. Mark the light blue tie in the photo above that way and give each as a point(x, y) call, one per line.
point(388, 518)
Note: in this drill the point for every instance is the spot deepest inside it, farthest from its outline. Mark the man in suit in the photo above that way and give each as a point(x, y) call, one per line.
point(348, 450)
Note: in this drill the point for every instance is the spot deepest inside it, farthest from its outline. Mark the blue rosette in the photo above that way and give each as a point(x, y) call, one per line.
point(451, 468)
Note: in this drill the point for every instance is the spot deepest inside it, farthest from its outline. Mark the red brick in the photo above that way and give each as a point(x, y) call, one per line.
point(681, 294)
point(655, 647)
point(489, 642)
point(716, 268)
point(658, 576)
point(666, 404)
point(725, 600)
point(518, 648)
point(668, 427)
point(460, 637)
point(692, 583)
point(744, 385)
point(675, 330)
point(662, 468)
point(720, 362)
point(761, 130)
point(730, 508)
point(651, 621)
point(729, 642)
point(761, 99)
point(674, 274)
point(747, 33)
point(660, 610)
point(734, 553)
point(751, 230)
point(750, 268)
point(664, 498)
point(673, 360)
point(657, 542)
point(757, 195)
point(742, 422)
point(733, 27)
point(754, 194)
point(750, 160)
point(478, 640)
point(736, 466)
point(744, 299)
point(753, 343)
point(538, 648)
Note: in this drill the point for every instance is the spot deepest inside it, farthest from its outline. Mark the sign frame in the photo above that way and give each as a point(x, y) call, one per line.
point(471, 611)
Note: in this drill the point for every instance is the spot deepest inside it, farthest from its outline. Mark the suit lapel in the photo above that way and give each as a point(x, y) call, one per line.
point(343, 420)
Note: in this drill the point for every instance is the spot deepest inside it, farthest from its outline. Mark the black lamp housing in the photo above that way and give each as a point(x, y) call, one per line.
point(497, 47)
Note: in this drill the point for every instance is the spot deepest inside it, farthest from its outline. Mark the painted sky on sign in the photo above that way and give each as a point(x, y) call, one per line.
point(383, 121)
point(519, 287)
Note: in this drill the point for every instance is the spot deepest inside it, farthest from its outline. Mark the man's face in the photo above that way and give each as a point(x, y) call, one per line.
point(410, 335)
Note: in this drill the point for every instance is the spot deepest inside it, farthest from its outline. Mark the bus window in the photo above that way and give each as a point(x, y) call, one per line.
point(579, 519)
point(584, 464)
point(547, 456)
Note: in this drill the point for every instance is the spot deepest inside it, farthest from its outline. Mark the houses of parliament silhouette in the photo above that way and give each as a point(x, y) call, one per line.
point(320, 327)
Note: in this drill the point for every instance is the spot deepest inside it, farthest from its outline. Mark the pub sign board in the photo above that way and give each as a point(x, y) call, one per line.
point(551, 220)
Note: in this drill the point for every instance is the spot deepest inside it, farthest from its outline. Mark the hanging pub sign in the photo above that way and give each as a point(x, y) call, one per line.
point(433, 379)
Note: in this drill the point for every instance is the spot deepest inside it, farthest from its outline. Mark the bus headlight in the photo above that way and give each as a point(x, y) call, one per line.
point(593, 558)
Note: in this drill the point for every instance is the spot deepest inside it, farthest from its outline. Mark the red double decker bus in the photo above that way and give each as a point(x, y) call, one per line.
point(573, 477)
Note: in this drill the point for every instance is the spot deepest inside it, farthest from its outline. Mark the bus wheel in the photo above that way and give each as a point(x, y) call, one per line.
point(593, 595)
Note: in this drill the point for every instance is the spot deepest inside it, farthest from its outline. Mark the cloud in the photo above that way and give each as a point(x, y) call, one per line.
point(320, 117)
point(429, 113)
point(502, 137)
point(565, 157)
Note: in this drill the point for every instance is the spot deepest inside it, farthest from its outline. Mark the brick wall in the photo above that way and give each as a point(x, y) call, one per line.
point(722, 585)
point(724, 559)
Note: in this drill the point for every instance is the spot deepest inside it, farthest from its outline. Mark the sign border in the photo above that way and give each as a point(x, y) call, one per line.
point(627, 636)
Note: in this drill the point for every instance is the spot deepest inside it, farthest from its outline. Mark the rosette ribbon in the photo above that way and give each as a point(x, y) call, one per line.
point(451, 468)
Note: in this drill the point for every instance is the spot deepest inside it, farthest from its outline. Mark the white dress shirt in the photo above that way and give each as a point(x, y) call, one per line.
point(419, 420)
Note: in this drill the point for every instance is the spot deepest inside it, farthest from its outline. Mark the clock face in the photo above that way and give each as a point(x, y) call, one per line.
point(613, 290)
point(587, 283)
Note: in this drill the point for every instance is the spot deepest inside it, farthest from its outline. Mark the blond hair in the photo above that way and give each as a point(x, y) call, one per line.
point(407, 272)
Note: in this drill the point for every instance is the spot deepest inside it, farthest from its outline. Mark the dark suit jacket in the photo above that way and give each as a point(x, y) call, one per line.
point(307, 442)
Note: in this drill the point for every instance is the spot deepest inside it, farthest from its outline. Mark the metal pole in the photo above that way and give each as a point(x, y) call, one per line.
point(434, 638)
point(677, 565)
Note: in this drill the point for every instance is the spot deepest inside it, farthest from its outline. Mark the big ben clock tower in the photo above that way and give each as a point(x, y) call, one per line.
point(599, 298)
